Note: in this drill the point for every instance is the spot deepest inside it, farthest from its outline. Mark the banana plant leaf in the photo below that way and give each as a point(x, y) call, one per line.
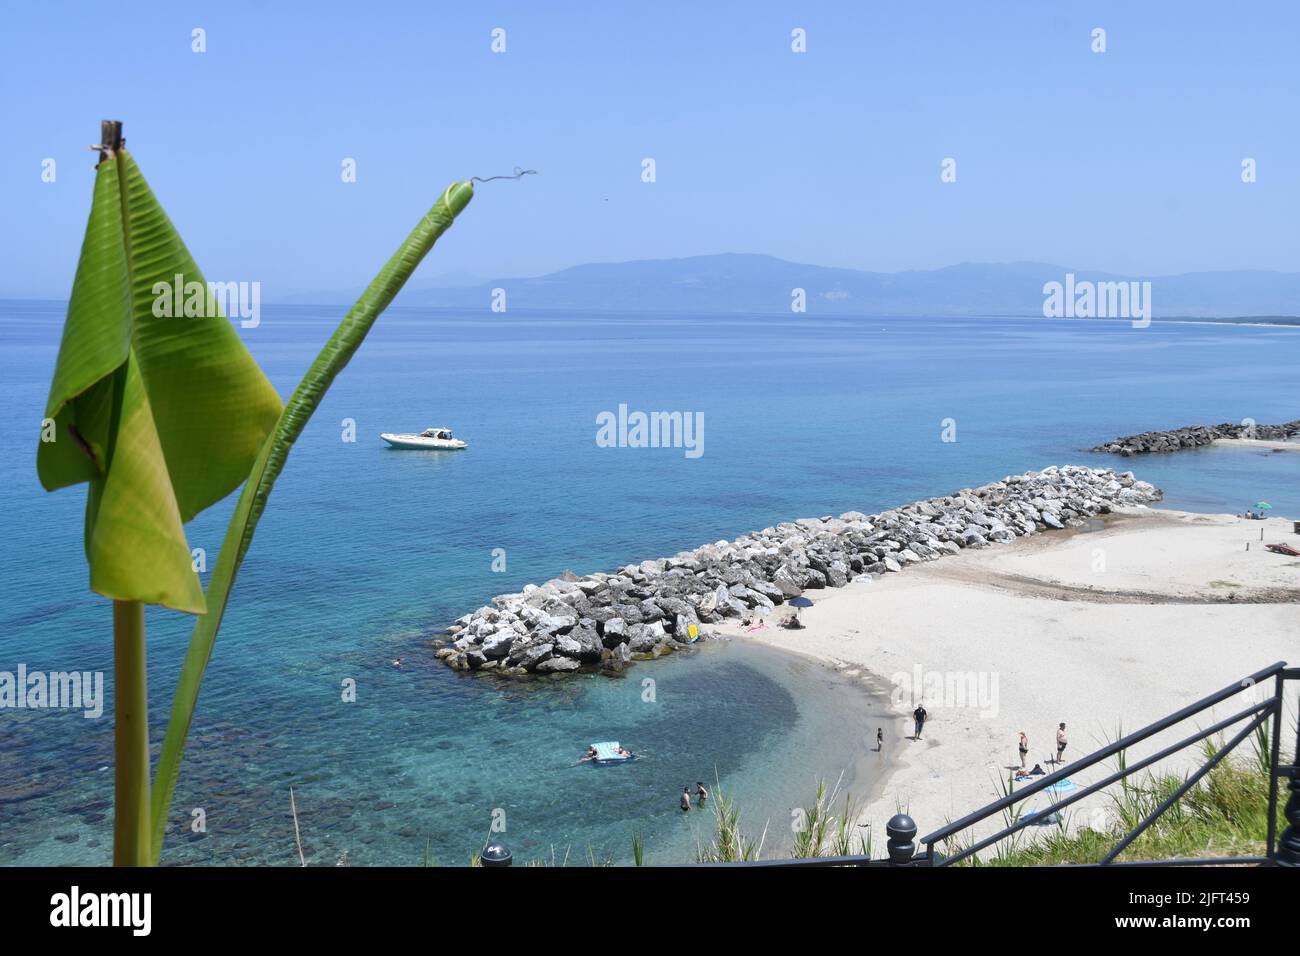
point(162, 415)
point(336, 354)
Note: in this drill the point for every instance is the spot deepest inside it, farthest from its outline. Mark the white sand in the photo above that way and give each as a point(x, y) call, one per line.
point(1104, 630)
point(1258, 443)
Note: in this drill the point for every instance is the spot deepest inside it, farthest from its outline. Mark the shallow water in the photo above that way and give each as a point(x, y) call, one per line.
point(428, 762)
point(364, 552)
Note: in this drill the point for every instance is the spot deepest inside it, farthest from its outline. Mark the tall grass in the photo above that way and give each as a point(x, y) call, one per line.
point(822, 832)
point(729, 844)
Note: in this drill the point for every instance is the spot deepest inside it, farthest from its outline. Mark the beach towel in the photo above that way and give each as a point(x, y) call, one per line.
point(1043, 817)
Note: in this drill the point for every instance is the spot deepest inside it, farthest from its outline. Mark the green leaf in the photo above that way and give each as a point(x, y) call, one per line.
point(332, 359)
point(163, 414)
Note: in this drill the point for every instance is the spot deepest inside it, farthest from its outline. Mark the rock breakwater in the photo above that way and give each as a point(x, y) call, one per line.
point(642, 611)
point(1196, 436)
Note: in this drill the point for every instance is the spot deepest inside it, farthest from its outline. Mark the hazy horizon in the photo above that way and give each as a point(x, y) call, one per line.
point(743, 283)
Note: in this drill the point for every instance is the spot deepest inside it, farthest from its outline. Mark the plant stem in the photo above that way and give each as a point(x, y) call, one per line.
point(131, 742)
point(270, 461)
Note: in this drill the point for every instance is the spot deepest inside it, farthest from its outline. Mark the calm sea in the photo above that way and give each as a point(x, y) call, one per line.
point(364, 552)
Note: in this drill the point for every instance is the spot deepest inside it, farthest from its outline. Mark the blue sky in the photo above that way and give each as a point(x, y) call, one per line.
point(1127, 160)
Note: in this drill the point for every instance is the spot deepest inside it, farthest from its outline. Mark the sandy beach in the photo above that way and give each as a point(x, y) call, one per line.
point(1106, 628)
point(1259, 443)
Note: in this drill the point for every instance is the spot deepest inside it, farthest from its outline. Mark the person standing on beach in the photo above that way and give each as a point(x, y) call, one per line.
point(919, 715)
point(880, 738)
point(1061, 742)
point(1024, 748)
point(686, 798)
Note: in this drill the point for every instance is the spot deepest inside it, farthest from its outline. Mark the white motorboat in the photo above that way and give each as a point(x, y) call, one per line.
point(438, 439)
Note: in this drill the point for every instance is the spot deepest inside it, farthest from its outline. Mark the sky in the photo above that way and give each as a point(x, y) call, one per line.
point(1128, 160)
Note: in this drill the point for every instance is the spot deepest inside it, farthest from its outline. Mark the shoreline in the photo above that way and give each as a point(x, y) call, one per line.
point(1155, 633)
point(1254, 325)
point(865, 778)
point(1184, 605)
point(1257, 443)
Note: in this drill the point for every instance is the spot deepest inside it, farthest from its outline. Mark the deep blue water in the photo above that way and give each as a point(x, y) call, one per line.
point(365, 551)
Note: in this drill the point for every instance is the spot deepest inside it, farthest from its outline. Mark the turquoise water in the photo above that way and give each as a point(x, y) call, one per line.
point(365, 551)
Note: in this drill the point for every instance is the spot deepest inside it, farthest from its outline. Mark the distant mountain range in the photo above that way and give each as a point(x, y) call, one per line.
point(764, 284)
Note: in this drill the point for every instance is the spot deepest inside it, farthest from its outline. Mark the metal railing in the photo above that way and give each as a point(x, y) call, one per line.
point(1285, 852)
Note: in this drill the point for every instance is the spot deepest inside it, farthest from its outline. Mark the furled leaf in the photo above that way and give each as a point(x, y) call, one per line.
point(163, 414)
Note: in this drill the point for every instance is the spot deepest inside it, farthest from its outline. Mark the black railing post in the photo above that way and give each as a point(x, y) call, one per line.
point(1288, 847)
point(901, 830)
point(1274, 755)
point(495, 853)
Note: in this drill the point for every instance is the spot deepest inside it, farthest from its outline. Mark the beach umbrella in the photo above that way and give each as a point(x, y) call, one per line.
point(800, 601)
point(1263, 504)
